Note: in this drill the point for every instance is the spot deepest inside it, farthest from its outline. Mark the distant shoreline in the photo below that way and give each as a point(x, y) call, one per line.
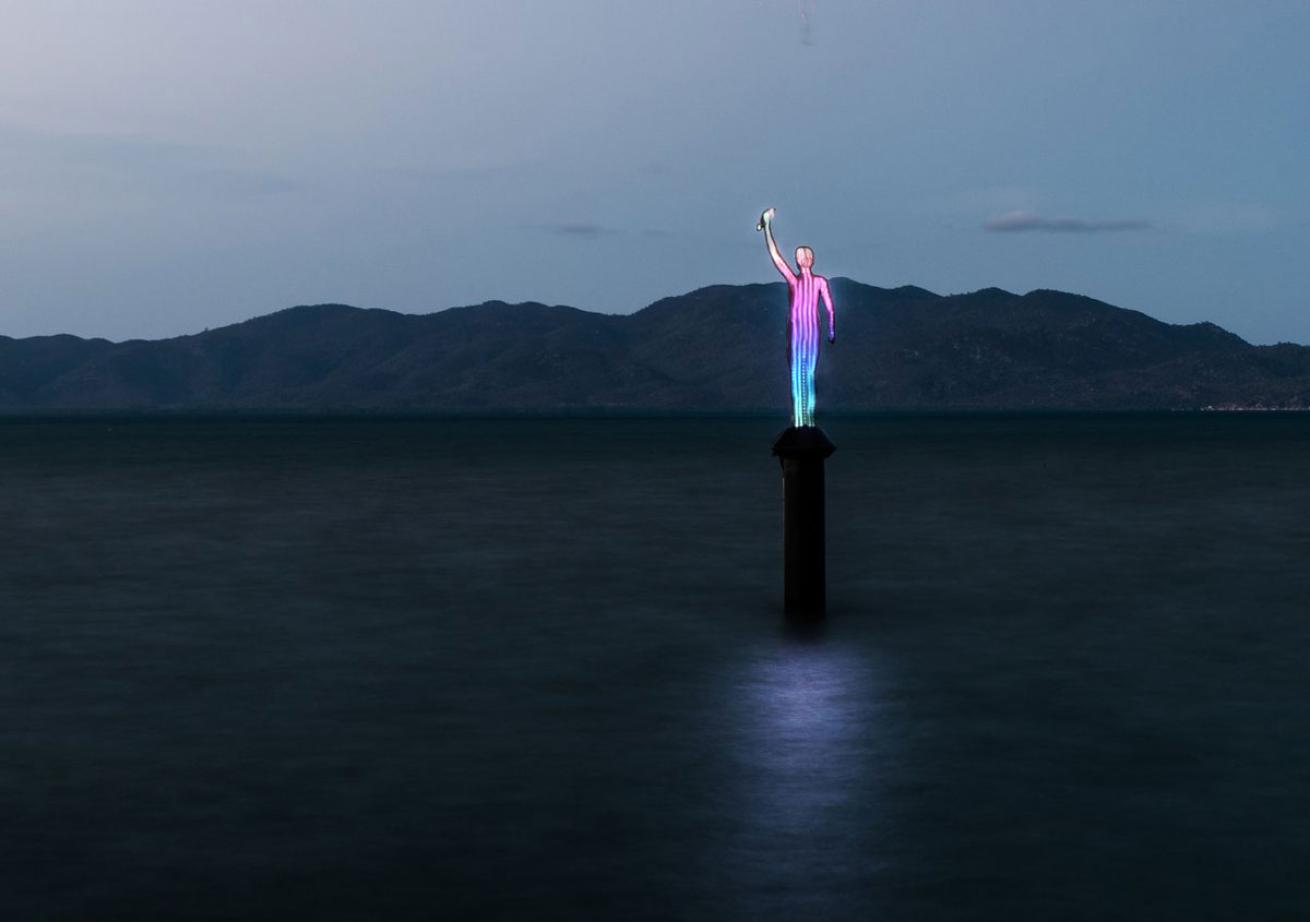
point(346, 415)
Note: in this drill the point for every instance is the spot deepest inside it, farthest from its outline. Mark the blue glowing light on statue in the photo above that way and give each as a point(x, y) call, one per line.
point(805, 289)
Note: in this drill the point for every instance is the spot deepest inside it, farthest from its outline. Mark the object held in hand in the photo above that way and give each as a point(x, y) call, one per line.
point(765, 218)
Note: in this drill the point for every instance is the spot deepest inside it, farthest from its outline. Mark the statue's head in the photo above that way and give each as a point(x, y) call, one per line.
point(804, 257)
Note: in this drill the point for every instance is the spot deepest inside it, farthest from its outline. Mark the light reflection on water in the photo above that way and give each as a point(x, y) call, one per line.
point(811, 750)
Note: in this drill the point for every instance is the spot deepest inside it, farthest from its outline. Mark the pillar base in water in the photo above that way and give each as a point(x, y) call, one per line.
point(802, 451)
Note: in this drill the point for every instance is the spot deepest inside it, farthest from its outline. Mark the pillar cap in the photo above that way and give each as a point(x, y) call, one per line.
point(803, 442)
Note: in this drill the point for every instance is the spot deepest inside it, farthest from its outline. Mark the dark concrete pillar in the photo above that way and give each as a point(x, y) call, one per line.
point(802, 451)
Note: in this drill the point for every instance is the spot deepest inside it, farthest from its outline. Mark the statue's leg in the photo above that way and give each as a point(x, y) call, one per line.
point(800, 387)
point(796, 363)
point(798, 377)
point(804, 360)
point(811, 361)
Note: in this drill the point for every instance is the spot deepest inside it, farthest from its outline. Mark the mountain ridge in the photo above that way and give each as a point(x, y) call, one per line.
point(720, 348)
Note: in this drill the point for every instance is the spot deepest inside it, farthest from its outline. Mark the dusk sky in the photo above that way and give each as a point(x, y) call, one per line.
point(175, 165)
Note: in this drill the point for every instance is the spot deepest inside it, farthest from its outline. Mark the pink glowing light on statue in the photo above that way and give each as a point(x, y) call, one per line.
point(805, 290)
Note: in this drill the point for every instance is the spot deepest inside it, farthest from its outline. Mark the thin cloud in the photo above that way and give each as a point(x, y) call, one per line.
point(584, 229)
point(1016, 221)
point(587, 230)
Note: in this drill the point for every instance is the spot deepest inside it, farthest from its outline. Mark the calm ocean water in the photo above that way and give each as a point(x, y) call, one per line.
point(418, 669)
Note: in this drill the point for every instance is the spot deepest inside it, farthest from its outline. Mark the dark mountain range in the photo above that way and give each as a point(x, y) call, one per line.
point(716, 349)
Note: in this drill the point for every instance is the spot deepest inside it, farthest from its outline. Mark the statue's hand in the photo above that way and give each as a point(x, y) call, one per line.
point(766, 218)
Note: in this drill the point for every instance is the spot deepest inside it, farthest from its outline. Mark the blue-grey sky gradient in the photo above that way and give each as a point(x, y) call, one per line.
point(171, 165)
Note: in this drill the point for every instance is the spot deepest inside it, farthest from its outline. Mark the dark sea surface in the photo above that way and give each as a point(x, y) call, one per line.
point(535, 669)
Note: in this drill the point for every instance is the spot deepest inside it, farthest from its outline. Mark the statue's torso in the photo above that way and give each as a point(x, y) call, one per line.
point(805, 299)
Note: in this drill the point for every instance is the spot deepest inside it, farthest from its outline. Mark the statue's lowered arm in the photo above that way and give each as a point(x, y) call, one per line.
point(827, 302)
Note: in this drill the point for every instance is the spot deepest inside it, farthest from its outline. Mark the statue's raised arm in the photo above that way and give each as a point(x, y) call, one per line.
point(766, 225)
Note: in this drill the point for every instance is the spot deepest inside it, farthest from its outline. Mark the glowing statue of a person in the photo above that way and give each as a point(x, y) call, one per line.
point(806, 289)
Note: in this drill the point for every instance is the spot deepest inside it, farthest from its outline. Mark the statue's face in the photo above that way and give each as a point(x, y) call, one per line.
point(804, 257)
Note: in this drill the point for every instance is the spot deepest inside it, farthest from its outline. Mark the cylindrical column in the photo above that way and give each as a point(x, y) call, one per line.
point(802, 451)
